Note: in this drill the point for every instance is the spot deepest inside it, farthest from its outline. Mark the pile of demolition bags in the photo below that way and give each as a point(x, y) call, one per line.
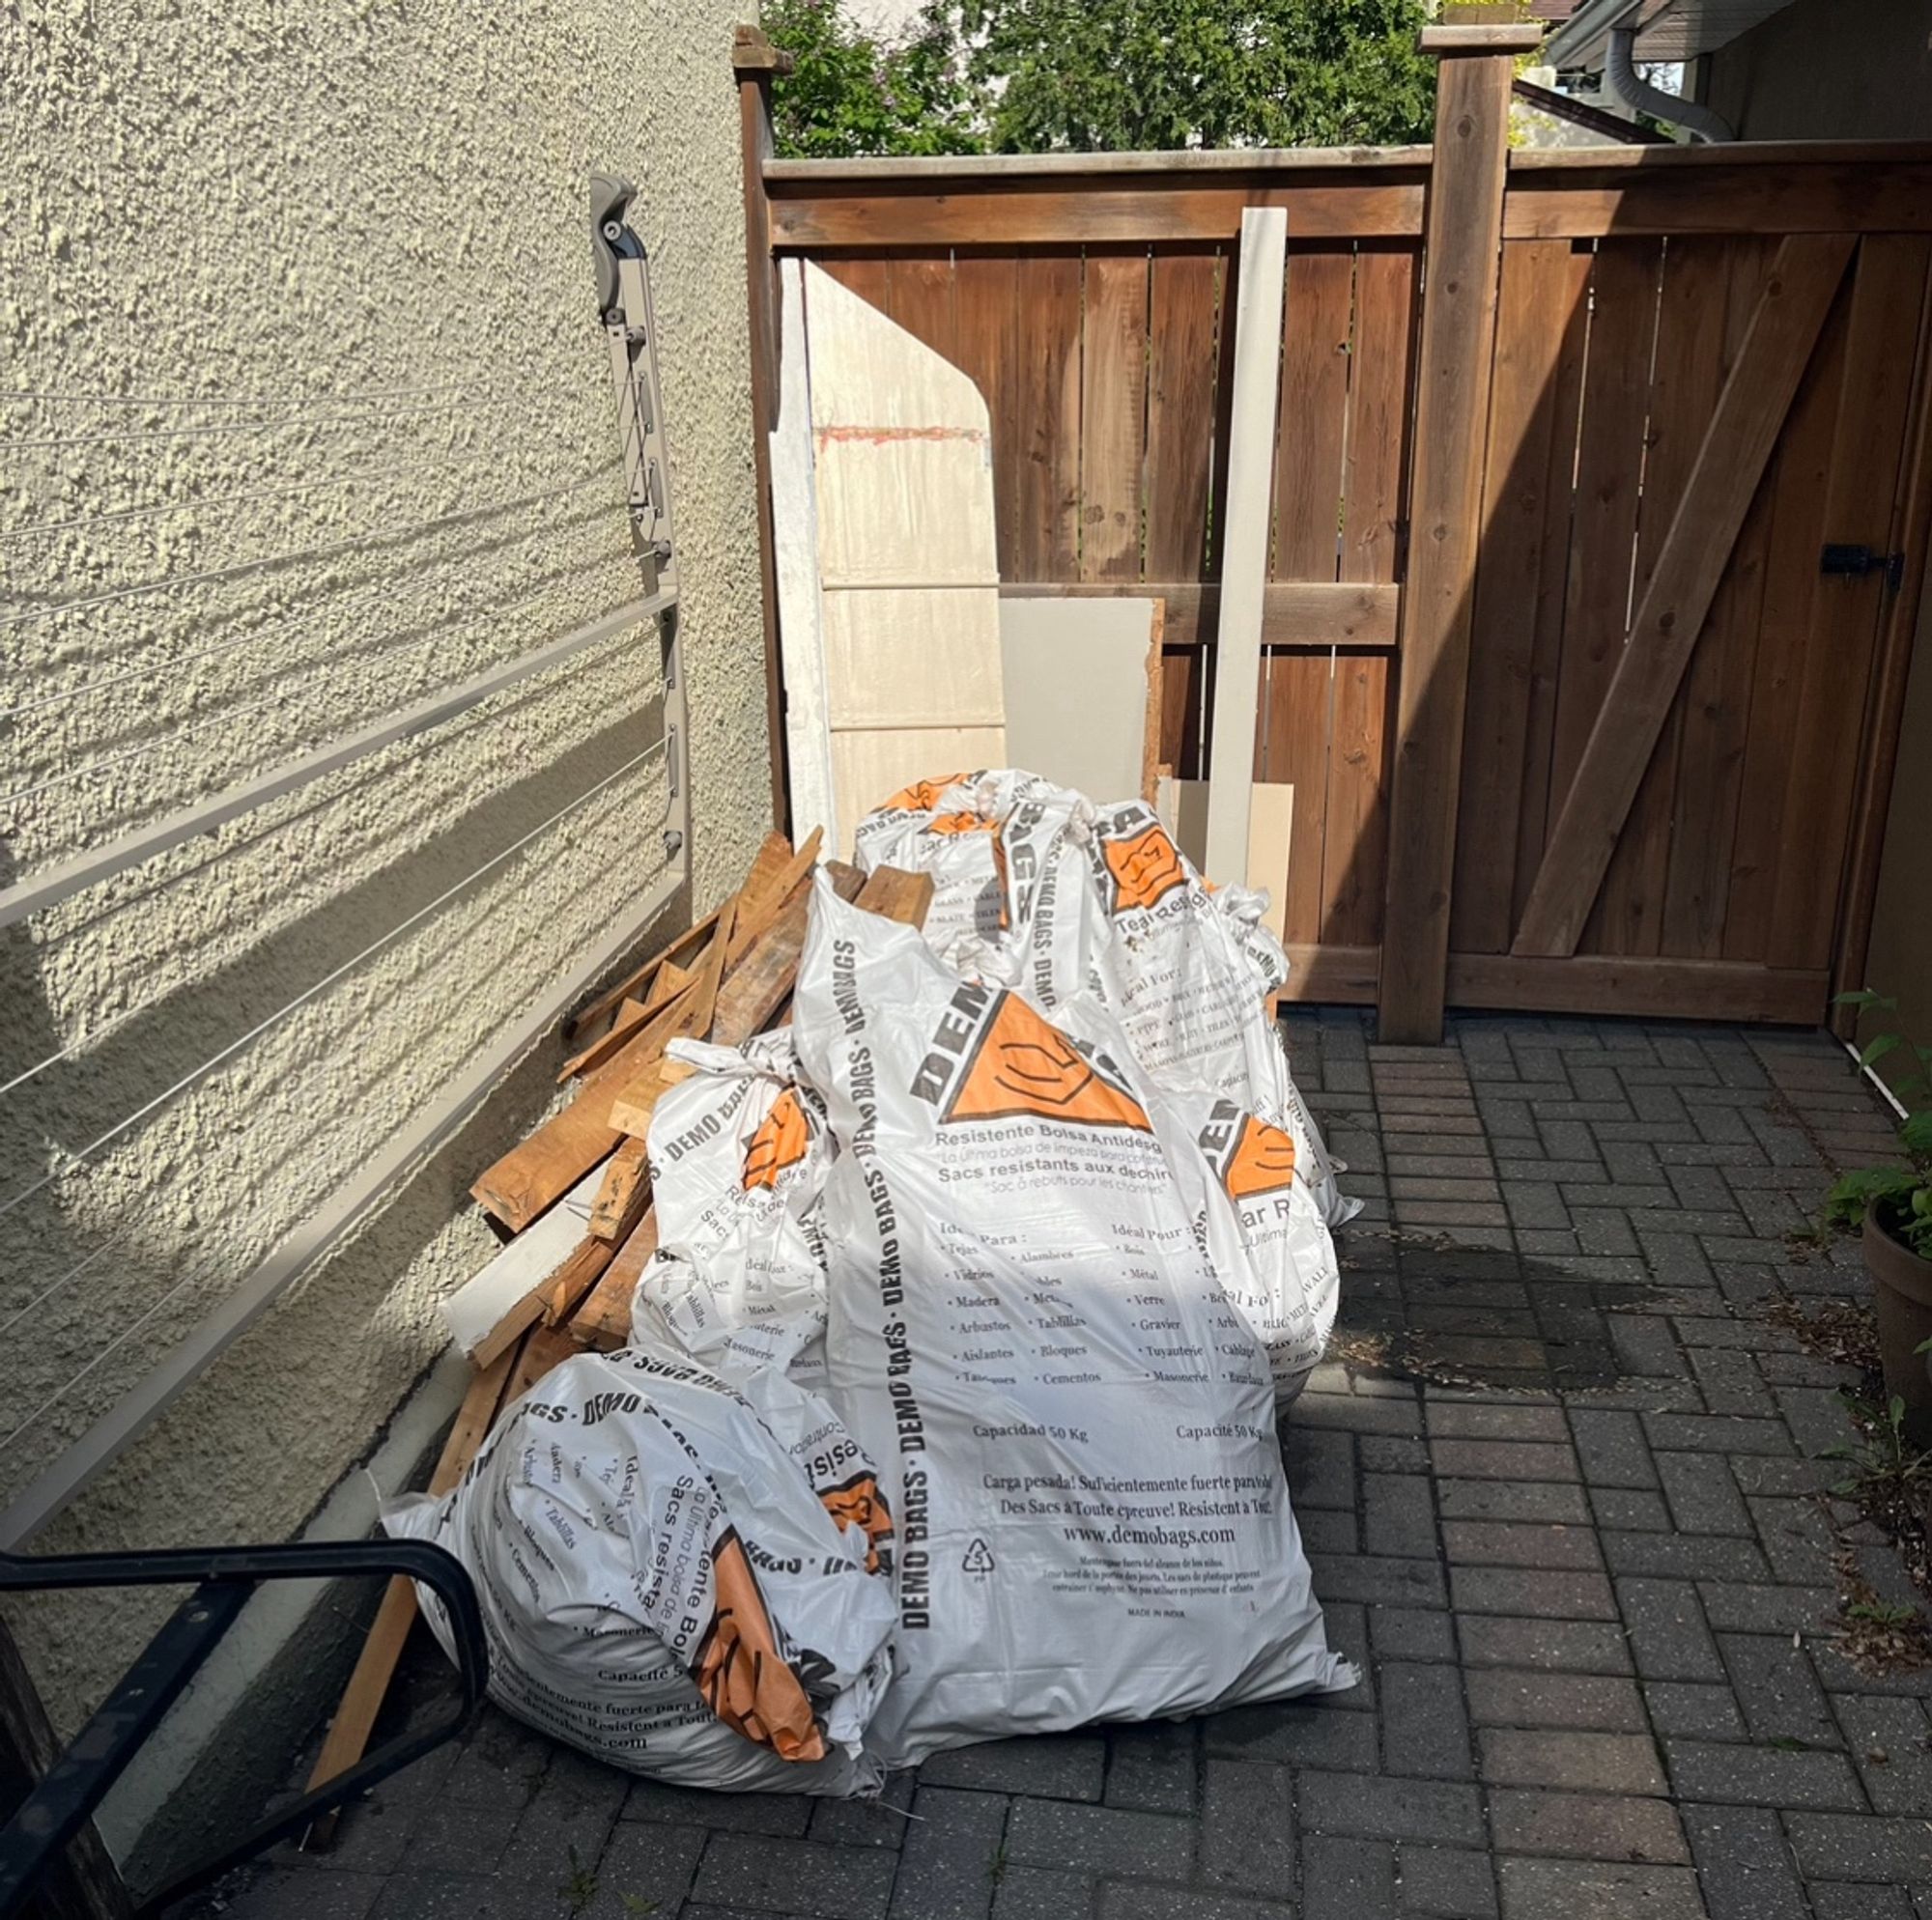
point(950, 1408)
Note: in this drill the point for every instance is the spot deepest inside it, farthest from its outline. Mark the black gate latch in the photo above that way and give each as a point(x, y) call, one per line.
point(1861, 560)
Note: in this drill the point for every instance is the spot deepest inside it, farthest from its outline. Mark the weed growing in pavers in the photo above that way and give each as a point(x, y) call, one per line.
point(637, 1904)
point(579, 1886)
point(1885, 1467)
point(997, 1870)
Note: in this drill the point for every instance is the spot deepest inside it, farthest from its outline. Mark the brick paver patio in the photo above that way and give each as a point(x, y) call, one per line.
point(1561, 1489)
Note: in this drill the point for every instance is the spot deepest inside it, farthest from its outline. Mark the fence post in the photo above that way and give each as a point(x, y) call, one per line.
point(755, 60)
point(1462, 259)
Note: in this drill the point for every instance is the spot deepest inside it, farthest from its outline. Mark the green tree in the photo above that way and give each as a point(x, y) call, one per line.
point(1119, 76)
point(850, 95)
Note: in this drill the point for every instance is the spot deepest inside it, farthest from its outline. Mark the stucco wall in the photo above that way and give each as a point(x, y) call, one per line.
point(1828, 70)
point(290, 205)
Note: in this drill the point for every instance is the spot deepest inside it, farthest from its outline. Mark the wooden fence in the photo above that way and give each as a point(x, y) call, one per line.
point(1575, 718)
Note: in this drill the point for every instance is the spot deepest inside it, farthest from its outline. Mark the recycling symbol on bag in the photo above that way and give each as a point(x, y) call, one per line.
point(979, 1557)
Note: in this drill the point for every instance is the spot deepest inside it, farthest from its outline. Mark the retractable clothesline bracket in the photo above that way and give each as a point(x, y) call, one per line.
point(630, 325)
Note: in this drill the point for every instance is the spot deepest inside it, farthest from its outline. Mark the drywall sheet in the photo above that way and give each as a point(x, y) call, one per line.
point(1079, 674)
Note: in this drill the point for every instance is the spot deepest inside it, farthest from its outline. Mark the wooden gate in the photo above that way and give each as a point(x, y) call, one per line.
point(1574, 720)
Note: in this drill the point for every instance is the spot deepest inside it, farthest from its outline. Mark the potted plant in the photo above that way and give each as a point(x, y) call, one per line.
point(1893, 1208)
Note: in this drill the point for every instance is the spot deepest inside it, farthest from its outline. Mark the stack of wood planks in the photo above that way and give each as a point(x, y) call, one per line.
point(574, 1196)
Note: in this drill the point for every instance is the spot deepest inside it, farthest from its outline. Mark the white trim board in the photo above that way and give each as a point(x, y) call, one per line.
point(1237, 641)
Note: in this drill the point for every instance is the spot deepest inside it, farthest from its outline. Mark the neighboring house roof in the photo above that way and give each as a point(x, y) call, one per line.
point(1665, 29)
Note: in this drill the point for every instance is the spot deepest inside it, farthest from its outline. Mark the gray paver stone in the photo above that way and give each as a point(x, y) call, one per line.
point(797, 1876)
point(1060, 1767)
point(1247, 1825)
point(1591, 1827)
point(1099, 1839)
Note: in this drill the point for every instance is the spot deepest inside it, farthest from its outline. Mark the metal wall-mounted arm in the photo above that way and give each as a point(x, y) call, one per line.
point(224, 1578)
point(623, 277)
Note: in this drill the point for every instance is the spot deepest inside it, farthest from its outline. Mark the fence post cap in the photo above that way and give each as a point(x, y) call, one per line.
point(752, 53)
point(1482, 36)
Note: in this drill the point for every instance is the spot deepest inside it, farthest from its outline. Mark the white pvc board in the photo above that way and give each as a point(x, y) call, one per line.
point(1244, 551)
point(527, 1261)
point(795, 562)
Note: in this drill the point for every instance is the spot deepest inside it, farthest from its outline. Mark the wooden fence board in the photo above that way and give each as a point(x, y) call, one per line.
point(1609, 464)
point(1526, 489)
point(987, 351)
point(1183, 297)
point(1688, 372)
point(1741, 197)
point(1112, 413)
point(1716, 704)
point(1097, 215)
point(1046, 544)
point(920, 298)
point(1313, 415)
point(1797, 532)
point(1296, 719)
point(1354, 829)
point(1880, 352)
point(1382, 383)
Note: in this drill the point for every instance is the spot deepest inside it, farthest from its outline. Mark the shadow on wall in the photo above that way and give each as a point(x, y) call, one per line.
point(77, 1276)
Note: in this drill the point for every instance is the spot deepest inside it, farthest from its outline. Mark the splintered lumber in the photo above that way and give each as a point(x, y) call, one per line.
point(681, 949)
point(626, 1175)
point(768, 866)
point(483, 1315)
point(363, 1698)
point(604, 1320)
point(533, 1175)
point(654, 1020)
point(545, 1347)
point(670, 980)
point(755, 989)
point(574, 1277)
point(757, 912)
point(748, 998)
point(895, 895)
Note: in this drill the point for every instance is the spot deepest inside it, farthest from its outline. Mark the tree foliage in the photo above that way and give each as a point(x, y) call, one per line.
point(1103, 75)
point(850, 95)
point(1120, 76)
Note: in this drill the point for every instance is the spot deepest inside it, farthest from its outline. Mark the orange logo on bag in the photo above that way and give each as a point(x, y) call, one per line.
point(1143, 868)
point(959, 823)
point(1263, 1159)
point(1024, 1066)
point(744, 1678)
point(781, 1142)
point(860, 1503)
point(923, 796)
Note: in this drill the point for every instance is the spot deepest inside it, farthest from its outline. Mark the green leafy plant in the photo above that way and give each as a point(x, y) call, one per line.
point(1900, 1198)
point(850, 93)
point(580, 1884)
point(1881, 1613)
point(1885, 1464)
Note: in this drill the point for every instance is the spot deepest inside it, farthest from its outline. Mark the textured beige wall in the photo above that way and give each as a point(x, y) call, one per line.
point(290, 205)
